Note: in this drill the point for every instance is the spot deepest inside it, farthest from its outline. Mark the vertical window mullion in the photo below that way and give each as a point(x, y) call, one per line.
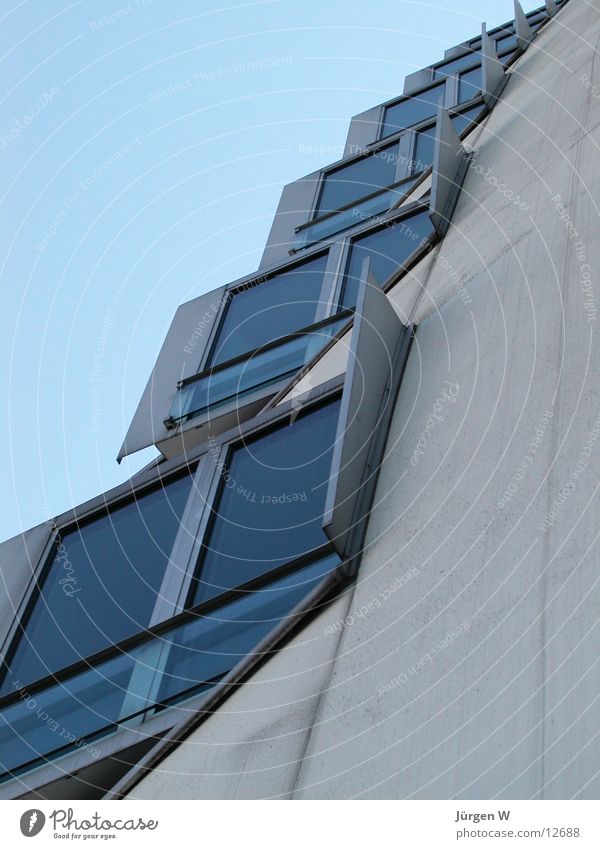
point(176, 577)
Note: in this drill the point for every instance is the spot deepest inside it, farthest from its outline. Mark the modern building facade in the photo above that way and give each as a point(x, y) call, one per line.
point(364, 565)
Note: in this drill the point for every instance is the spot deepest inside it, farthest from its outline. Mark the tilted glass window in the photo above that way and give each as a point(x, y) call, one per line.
point(271, 502)
point(102, 584)
point(362, 210)
point(451, 67)
point(469, 84)
point(462, 120)
point(261, 313)
point(235, 382)
point(157, 672)
point(424, 147)
point(359, 178)
point(507, 42)
point(388, 247)
point(407, 113)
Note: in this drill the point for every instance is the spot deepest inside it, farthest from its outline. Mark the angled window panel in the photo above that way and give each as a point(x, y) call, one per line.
point(449, 168)
point(523, 30)
point(378, 351)
point(493, 76)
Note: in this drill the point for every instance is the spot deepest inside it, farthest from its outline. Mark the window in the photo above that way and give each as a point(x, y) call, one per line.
point(270, 507)
point(424, 147)
point(101, 585)
point(507, 42)
point(157, 672)
point(258, 314)
point(388, 248)
point(469, 84)
point(454, 65)
point(262, 369)
point(359, 178)
point(462, 120)
point(407, 113)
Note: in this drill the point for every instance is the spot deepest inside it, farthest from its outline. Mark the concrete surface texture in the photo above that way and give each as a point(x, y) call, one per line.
point(466, 664)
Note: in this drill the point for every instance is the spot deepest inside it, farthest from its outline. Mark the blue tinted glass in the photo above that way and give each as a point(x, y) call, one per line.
point(359, 178)
point(409, 112)
point(387, 247)
point(469, 84)
point(462, 121)
point(454, 65)
point(102, 584)
point(260, 314)
point(217, 642)
point(261, 370)
point(187, 659)
point(362, 211)
point(424, 146)
point(508, 42)
point(271, 504)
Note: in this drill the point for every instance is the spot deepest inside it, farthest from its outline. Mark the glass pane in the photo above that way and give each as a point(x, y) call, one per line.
point(388, 247)
point(424, 146)
point(469, 84)
point(359, 178)
point(454, 65)
point(261, 314)
point(462, 121)
point(362, 211)
point(102, 584)
point(506, 43)
point(164, 669)
point(219, 641)
point(409, 112)
point(258, 372)
point(271, 503)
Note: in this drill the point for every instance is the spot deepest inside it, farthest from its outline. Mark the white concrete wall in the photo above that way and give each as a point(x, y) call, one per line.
point(469, 665)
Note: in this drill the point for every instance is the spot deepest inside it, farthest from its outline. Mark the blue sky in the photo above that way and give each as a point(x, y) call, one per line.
point(144, 146)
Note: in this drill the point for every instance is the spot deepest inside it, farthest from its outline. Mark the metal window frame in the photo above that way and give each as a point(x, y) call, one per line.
point(325, 173)
point(379, 348)
point(197, 511)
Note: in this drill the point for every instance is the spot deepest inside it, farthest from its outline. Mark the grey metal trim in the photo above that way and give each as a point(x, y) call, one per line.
point(170, 590)
point(406, 145)
point(523, 31)
point(202, 508)
point(551, 8)
point(36, 570)
point(372, 380)
point(493, 75)
point(449, 165)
